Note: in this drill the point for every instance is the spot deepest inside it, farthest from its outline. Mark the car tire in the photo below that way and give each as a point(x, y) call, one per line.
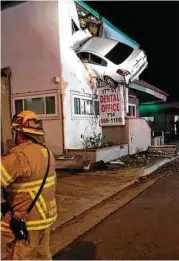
point(110, 82)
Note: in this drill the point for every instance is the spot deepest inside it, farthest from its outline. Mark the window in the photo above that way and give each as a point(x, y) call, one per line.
point(83, 106)
point(132, 110)
point(35, 104)
point(149, 119)
point(74, 27)
point(77, 109)
point(43, 105)
point(119, 53)
point(176, 118)
point(84, 56)
point(97, 60)
point(18, 106)
point(50, 104)
point(94, 59)
point(96, 107)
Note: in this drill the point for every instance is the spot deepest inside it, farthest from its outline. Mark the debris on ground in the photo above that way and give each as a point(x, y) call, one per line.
point(100, 165)
point(137, 160)
point(162, 151)
point(116, 162)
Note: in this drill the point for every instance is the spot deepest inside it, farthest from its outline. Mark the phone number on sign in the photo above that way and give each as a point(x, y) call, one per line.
point(112, 120)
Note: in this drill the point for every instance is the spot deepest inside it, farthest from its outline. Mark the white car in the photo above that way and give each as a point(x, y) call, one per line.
point(114, 62)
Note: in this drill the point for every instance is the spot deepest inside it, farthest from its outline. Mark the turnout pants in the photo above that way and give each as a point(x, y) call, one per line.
point(36, 249)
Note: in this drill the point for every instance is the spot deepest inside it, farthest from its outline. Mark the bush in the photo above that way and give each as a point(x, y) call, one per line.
point(95, 141)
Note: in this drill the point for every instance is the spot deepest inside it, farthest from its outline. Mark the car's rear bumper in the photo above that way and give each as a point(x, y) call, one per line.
point(137, 73)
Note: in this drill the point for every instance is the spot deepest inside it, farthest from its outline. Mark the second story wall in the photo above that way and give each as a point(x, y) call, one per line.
point(30, 45)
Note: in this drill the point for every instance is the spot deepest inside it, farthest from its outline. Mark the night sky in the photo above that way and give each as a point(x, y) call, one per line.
point(155, 26)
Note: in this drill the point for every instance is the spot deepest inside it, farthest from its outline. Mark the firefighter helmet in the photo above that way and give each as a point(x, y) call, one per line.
point(28, 123)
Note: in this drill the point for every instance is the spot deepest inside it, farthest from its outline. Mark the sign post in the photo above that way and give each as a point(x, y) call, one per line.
point(111, 106)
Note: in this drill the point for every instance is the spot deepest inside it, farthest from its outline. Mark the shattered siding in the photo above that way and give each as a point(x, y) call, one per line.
point(109, 30)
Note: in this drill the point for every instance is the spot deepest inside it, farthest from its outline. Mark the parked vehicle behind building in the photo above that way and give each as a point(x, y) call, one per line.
point(114, 61)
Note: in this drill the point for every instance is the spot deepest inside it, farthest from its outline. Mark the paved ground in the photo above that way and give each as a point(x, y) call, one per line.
point(145, 228)
point(77, 193)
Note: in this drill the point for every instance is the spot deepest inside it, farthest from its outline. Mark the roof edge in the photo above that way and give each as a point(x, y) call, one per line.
point(150, 86)
point(96, 14)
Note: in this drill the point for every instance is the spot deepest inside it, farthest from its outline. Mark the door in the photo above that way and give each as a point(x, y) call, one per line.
point(98, 64)
point(6, 135)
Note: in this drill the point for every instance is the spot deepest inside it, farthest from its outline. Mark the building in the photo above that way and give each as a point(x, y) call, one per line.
point(136, 132)
point(48, 77)
point(163, 118)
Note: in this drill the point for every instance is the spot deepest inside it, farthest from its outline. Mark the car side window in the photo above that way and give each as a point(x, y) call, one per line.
point(84, 57)
point(74, 27)
point(94, 59)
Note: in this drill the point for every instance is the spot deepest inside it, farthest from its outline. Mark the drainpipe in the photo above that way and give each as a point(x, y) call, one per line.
point(63, 131)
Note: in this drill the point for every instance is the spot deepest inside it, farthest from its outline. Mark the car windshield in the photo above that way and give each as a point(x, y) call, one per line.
point(119, 53)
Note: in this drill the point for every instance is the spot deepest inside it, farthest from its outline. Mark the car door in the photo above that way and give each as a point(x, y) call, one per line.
point(98, 64)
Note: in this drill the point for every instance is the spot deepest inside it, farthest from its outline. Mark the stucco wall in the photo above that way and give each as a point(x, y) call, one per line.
point(30, 47)
point(74, 79)
point(139, 135)
point(116, 134)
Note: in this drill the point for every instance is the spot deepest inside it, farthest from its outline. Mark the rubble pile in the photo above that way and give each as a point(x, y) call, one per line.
point(162, 151)
point(137, 160)
point(132, 161)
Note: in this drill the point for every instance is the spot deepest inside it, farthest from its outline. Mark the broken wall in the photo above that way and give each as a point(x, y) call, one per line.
point(75, 81)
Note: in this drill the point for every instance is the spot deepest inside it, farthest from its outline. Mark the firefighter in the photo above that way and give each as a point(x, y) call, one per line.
point(22, 173)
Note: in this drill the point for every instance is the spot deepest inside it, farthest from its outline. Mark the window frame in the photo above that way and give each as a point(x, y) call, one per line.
point(83, 97)
point(38, 96)
point(132, 105)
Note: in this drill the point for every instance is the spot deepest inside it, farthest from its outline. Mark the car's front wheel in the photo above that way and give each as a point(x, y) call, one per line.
point(110, 82)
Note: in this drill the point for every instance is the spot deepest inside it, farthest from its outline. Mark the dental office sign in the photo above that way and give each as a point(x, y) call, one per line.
point(111, 106)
